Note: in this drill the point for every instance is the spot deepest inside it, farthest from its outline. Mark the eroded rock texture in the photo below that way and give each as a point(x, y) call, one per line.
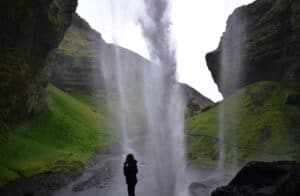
point(30, 29)
point(78, 65)
point(270, 45)
point(196, 102)
point(75, 64)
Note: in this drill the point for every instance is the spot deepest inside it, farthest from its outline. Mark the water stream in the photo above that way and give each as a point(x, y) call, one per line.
point(231, 61)
point(147, 109)
point(150, 104)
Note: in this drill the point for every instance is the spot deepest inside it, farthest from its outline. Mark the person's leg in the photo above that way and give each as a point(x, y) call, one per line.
point(128, 188)
point(131, 190)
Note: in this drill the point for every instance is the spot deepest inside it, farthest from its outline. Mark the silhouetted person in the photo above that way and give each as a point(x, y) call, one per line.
point(130, 170)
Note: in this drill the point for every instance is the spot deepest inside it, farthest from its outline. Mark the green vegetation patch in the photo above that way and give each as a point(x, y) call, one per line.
point(97, 101)
point(257, 122)
point(60, 139)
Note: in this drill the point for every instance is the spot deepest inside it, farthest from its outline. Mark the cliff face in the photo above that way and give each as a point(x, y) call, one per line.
point(270, 47)
point(31, 30)
point(256, 67)
point(196, 102)
point(77, 64)
point(74, 65)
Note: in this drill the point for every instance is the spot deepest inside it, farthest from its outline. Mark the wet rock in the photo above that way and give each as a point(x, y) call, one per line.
point(294, 99)
point(99, 179)
point(264, 179)
point(100, 171)
point(198, 189)
point(39, 185)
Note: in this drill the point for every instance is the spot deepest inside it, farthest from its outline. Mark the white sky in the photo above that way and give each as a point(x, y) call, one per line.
point(197, 25)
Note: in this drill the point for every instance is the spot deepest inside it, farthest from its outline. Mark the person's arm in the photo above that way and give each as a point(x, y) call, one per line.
point(124, 169)
point(136, 169)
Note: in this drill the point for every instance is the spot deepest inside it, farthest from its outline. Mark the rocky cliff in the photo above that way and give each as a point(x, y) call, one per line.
point(260, 121)
point(196, 102)
point(74, 65)
point(268, 35)
point(256, 67)
point(30, 30)
point(77, 64)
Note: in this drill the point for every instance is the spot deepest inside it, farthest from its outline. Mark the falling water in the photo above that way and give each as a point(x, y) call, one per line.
point(148, 107)
point(231, 61)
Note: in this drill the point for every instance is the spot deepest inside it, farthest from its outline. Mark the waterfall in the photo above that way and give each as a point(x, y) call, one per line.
point(147, 107)
point(232, 54)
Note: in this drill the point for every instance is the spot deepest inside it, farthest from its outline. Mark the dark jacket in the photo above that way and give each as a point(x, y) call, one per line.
point(130, 170)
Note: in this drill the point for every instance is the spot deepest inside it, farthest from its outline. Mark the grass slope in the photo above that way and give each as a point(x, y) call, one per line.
point(258, 124)
point(60, 139)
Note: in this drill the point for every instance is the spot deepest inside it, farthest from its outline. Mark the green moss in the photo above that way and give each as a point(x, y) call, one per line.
point(60, 139)
point(266, 34)
point(96, 101)
point(257, 123)
point(7, 175)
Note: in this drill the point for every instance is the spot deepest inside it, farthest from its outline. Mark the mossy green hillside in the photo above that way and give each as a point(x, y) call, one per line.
point(60, 139)
point(97, 102)
point(258, 124)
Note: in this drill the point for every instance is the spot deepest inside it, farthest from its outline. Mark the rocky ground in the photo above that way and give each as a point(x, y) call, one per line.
point(264, 179)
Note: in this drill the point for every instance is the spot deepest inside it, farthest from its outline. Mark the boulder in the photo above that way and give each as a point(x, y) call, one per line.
point(264, 179)
point(197, 189)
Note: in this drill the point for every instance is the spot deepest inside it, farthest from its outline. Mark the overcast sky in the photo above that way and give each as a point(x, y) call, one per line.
point(197, 27)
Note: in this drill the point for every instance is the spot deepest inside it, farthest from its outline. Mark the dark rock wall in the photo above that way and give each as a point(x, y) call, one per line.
point(262, 178)
point(30, 29)
point(271, 45)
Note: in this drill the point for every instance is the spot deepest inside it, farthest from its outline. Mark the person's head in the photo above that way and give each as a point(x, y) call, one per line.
point(130, 158)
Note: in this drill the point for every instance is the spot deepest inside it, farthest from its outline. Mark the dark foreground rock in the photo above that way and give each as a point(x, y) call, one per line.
point(40, 185)
point(264, 179)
